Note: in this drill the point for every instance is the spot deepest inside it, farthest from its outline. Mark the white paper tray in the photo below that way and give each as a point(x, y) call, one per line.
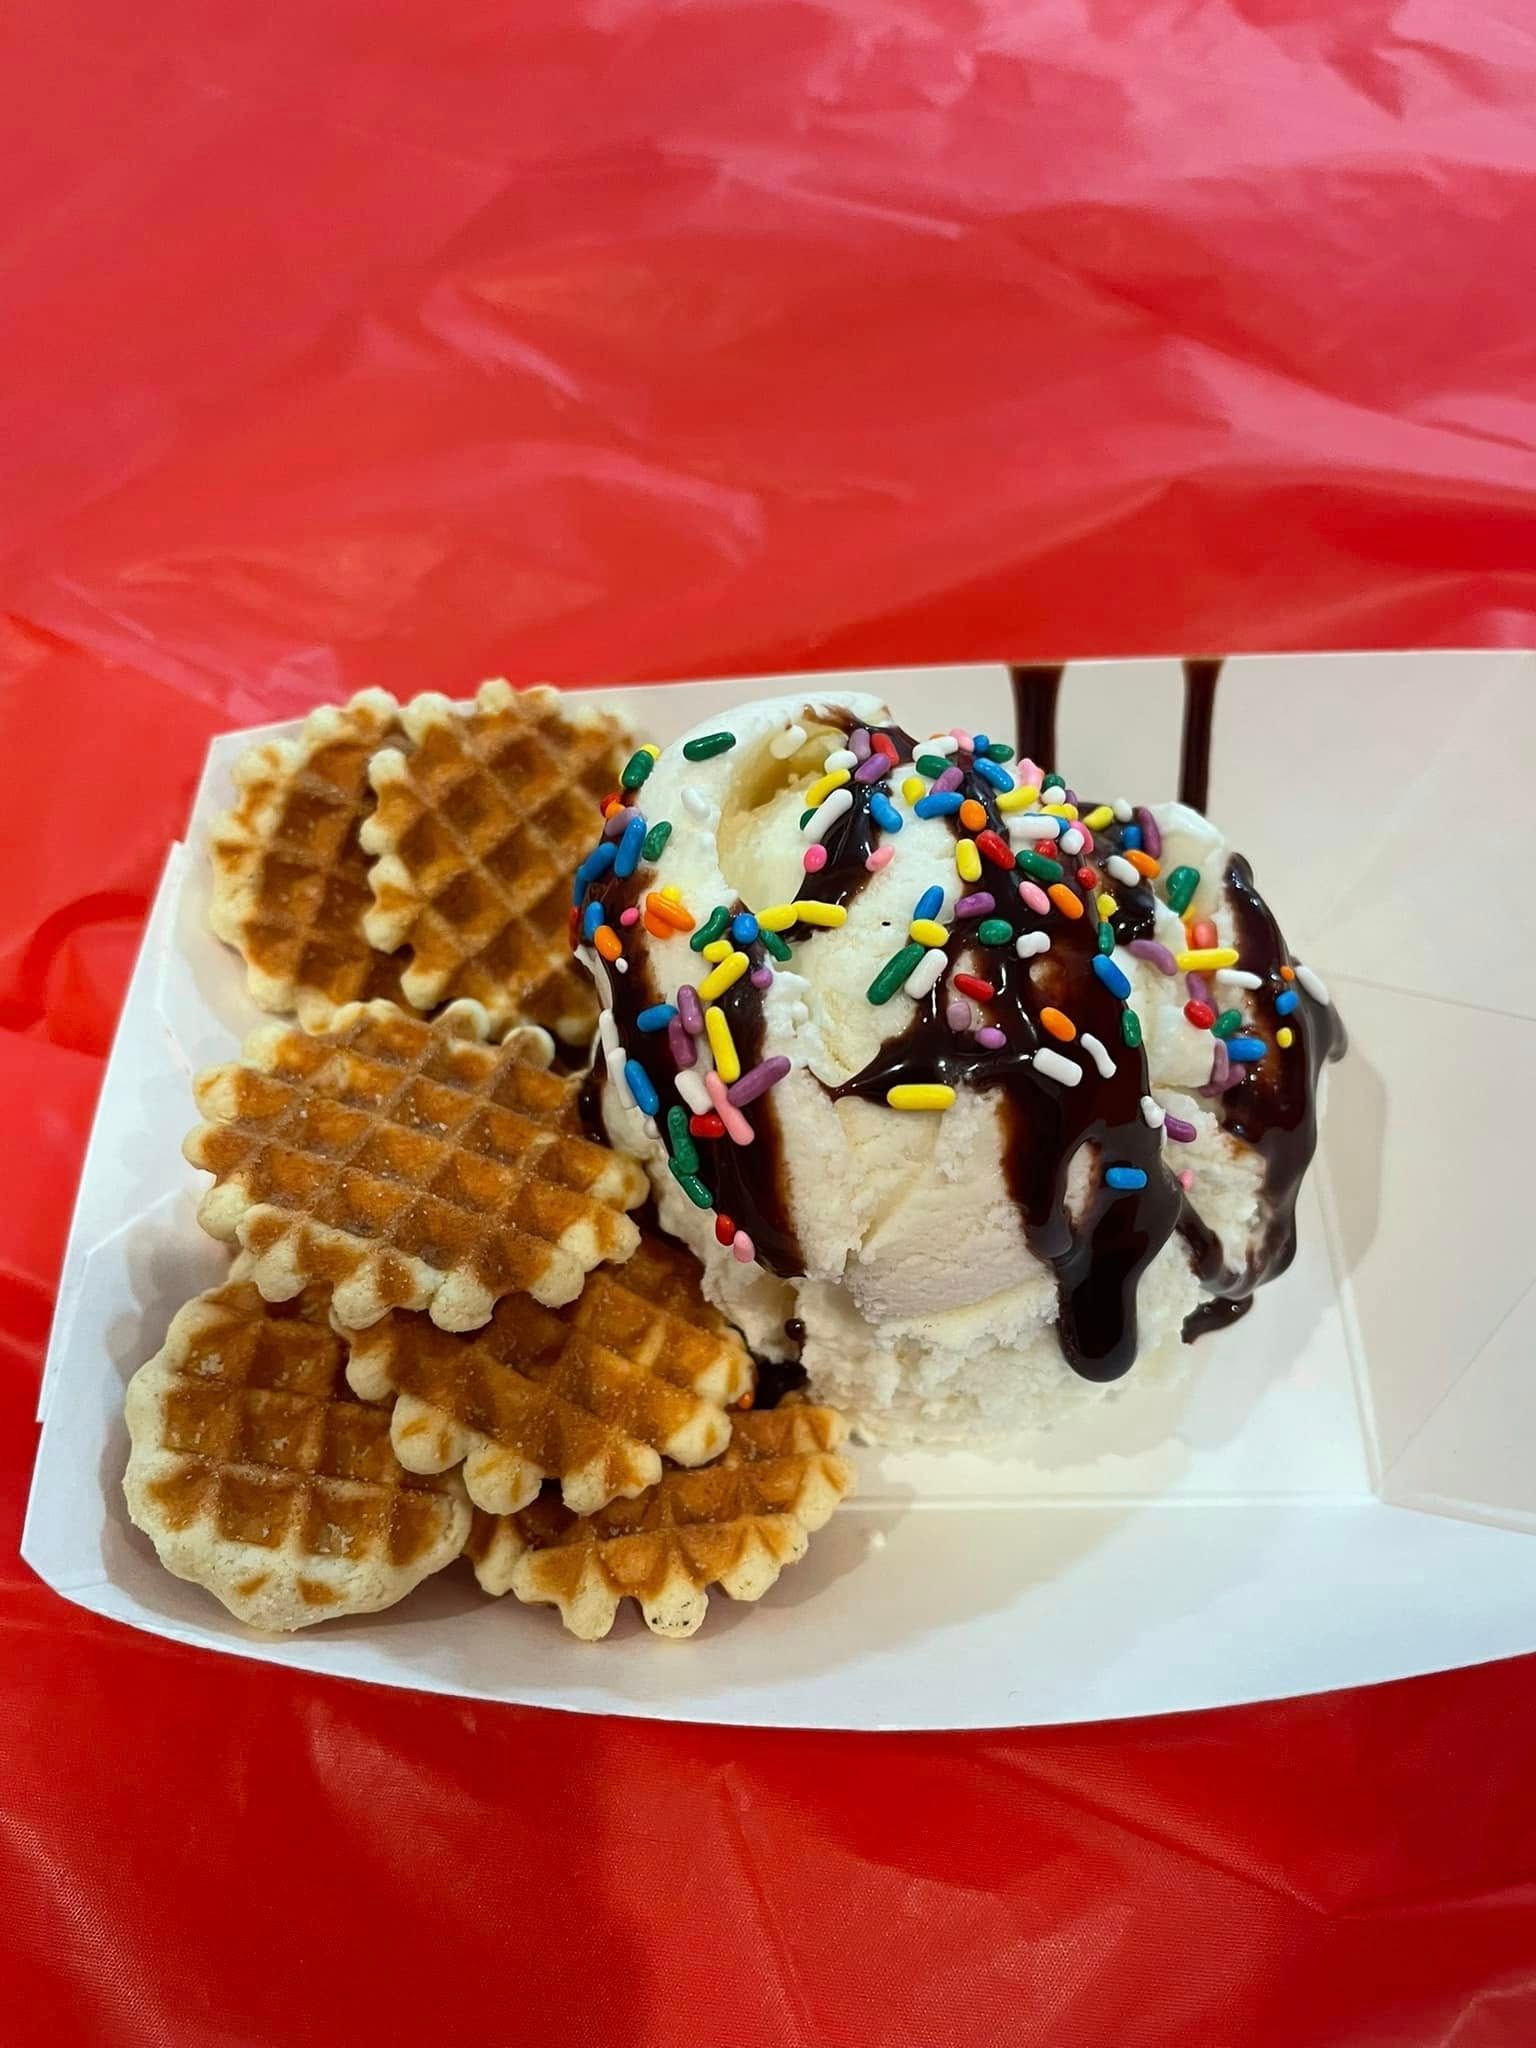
point(1261, 1530)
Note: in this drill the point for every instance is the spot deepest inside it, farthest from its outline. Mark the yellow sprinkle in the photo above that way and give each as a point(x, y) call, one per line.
point(913, 788)
point(1206, 959)
point(927, 931)
point(968, 860)
point(722, 1045)
point(718, 950)
point(1060, 810)
point(1107, 904)
point(1098, 818)
point(1018, 799)
point(819, 791)
point(778, 919)
point(652, 749)
point(827, 915)
point(672, 893)
point(920, 1095)
point(1285, 1037)
point(725, 976)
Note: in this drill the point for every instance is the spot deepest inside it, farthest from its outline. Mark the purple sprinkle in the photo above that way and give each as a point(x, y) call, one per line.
point(1199, 988)
point(683, 1050)
point(1221, 1065)
point(1237, 1073)
point(1069, 796)
point(950, 779)
point(690, 1009)
point(613, 828)
point(761, 977)
point(872, 769)
point(1181, 1132)
point(958, 1015)
point(993, 1039)
point(1151, 837)
point(980, 905)
point(756, 1081)
point(1161, 958)
point(858, 742)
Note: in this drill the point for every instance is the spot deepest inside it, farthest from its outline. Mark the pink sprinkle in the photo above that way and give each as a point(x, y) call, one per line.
point(1186, 1178)
point(950, 779)
point(1035, 897)
point(762, 977)
point(958, 733)
point(1087, 837)
point(880, 858)
point(630, 916)
point(958, 1015)
point(993, 1039)
point(737, 1129)
point(613, 828)
point(743, 1249)
point(1029, 772)
point(814, 859)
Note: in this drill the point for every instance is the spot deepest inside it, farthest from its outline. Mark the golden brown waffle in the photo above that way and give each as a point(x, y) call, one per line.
point(409, 1165)
point(257, 1474)
point(592, 1394)
point(734, 1524)
point(290, 878)
point(477, 831)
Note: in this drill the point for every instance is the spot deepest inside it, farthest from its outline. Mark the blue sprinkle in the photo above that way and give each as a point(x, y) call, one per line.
point(1125, 1177)
point(884, 812)
point(1249, 1050)
point(592, 917)
point(594, 867)
point(938, 803)
point(1286, 1001)
point(979, 742)
point(990, 772)
point(1130, 838)
point(744, 928)
point(646, 1098)
point(657, 1017)
point(628, 857)
point(929, 904)
point(1112, 975)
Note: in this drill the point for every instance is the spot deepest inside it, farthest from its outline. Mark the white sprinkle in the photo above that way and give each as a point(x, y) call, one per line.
point(697, 804)
point(876, 1539)
point(689, 1083)
point(1029, 825)
point(840, 757)
point(925, 973)
point(650, 1128)
point(827, 813)
point(1056, 1068)
point(608, 1031)
point(1122, 871)
point(1239, 977)
point(1152, 1112)
point(941, 743)
point(1028, 944)
point(616, 1074)
point(1072, 840)
point(1096, 1051)
point(621, 965)
point(1314, 984)
point(1122, 809)
point(783, 744)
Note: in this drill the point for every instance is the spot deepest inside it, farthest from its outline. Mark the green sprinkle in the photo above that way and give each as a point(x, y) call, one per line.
point(1052, 781)
point(654, 840)
point(1106, 938)
point(806, 817)
point(708, 745)
point(1036, 866)
point(778, 947)
point(999, 751)
point(636, 769)
point(1182, 884)
point(692, 1186)
point(1130, 1026)
point(894, 973)
point(931, 765)
point(685, 1154)
point(1228, 1022)
point(994, 931)
point(711, 929)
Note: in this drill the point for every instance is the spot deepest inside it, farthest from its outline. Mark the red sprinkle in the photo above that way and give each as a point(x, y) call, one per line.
point(706, 1126)
point(973, 985)
point(884, 744)
point(996, 850)
point(1201, 1015)
point(1089, 877)
point(725, 1230)
point(573, 927)
point(614, 796)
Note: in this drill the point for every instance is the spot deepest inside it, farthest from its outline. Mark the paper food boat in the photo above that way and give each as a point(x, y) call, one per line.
point(1342, 1488)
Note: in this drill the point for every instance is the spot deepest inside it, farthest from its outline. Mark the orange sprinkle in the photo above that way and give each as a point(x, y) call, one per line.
point(973, 816)
point(1065, 901)
point(607, 942)
point(1287, 974)
point(668, 912)
point(656, 928)
point(607, 803)
point(1059, 1026)
point(1143, 863)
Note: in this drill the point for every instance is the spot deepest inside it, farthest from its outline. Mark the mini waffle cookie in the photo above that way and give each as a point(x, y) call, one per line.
point(734, 1524)
point(477, 832)
point(290, 878)
point(409, 1165)
point(591, 1395)
point(257, 1474)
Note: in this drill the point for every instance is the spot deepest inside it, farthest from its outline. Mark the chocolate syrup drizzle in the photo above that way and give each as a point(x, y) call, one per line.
point(1099, 1255)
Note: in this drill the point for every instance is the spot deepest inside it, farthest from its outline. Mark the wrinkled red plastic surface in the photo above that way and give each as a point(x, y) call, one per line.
point(409, 342)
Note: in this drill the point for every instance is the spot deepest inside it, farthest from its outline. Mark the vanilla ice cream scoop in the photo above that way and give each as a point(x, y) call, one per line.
point(969, 1089)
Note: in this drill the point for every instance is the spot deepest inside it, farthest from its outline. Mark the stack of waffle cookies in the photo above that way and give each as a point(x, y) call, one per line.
point(444, 1333)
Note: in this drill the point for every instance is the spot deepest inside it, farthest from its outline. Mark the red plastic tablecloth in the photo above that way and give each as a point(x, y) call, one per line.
point(404, 342)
